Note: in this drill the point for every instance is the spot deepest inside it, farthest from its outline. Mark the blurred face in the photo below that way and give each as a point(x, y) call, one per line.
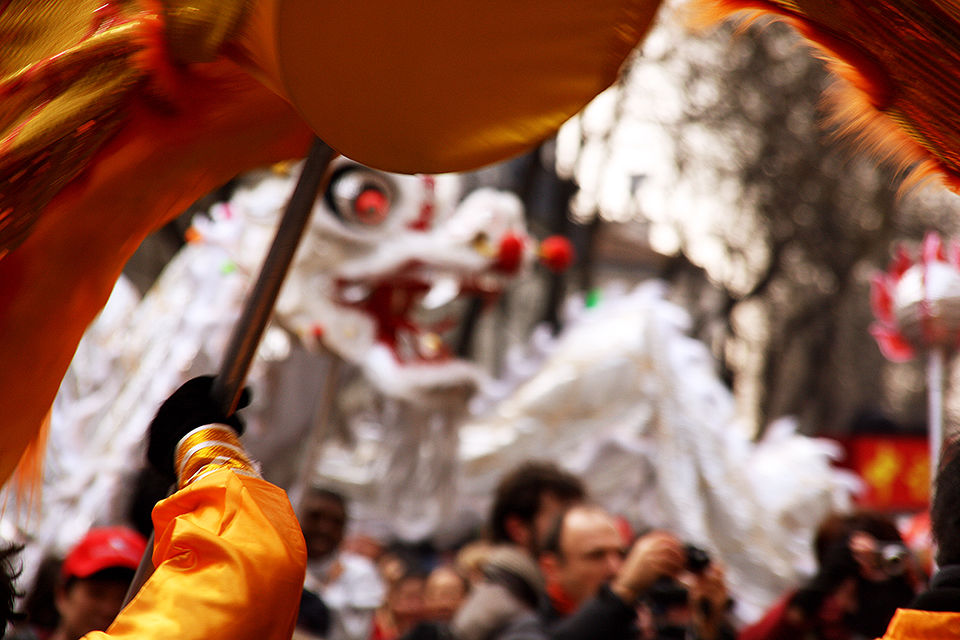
point(322, 520)
point(591, 553)
point(89, 604)
point(406, 602)
point(443, 594)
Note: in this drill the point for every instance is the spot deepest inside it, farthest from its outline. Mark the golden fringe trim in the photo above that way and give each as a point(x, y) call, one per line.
point(26, 483)
point(851, 103)
point(878, 134)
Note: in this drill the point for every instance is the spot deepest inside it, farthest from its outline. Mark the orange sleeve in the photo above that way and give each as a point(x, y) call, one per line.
point(230, 562)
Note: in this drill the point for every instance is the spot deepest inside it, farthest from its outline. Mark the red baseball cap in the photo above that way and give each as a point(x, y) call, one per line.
point(104, 548)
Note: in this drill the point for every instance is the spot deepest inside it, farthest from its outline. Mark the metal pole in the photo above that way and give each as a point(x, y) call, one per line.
point(228, 385)
point(935, 391)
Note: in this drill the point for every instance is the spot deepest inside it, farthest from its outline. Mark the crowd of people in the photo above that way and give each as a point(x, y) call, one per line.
point(549, 564)
point(553, 564)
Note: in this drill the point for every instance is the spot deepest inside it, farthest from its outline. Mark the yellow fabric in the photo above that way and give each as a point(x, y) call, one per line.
point(69, 68)
point(59, 71)
point(909, 624)
point(159, 162)
point(230, 564)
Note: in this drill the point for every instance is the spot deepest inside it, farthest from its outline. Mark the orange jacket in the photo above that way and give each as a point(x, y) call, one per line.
point(229, 555)
point(911, 624)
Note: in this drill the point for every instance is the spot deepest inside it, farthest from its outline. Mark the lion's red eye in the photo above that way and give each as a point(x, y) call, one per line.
point(360, 196)
point(371, 206)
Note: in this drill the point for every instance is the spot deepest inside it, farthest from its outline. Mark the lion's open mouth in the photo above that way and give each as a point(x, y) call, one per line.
point(420, 316)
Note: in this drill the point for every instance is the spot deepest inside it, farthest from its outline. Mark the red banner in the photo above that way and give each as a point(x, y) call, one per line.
point(895, 470)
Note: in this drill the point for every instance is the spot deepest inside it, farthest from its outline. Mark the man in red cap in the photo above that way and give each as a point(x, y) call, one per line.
point(95, 577)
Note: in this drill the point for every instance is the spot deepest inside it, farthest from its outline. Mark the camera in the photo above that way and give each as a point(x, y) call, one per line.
point(892, 558)
point(667, 592)
point(697, 559)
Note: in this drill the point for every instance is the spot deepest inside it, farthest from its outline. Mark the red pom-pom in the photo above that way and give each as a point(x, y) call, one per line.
point(192, 235)
point(556, 253)
point(510, 253)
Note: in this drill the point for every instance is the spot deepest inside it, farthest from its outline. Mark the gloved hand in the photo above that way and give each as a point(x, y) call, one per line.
point(189, 407)
point(838, 565)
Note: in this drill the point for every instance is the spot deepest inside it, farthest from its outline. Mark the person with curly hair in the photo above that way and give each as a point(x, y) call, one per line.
point(9, 572)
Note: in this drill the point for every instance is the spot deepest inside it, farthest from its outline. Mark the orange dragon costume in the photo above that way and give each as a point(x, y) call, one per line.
point(116, 115)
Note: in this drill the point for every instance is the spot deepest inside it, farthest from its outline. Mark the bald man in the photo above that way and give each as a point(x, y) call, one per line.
point(594, 584)
point(583, 552)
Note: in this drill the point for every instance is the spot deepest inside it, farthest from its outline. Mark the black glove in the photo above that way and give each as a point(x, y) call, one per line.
point(838, 565)
point(189, 407)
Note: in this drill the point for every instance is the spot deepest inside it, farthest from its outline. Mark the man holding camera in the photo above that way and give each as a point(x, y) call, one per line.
point(863, 578)
point(596, 589)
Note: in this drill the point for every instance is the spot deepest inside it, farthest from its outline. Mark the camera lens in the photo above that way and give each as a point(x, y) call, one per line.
point(697, 558)
point(893, 558)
